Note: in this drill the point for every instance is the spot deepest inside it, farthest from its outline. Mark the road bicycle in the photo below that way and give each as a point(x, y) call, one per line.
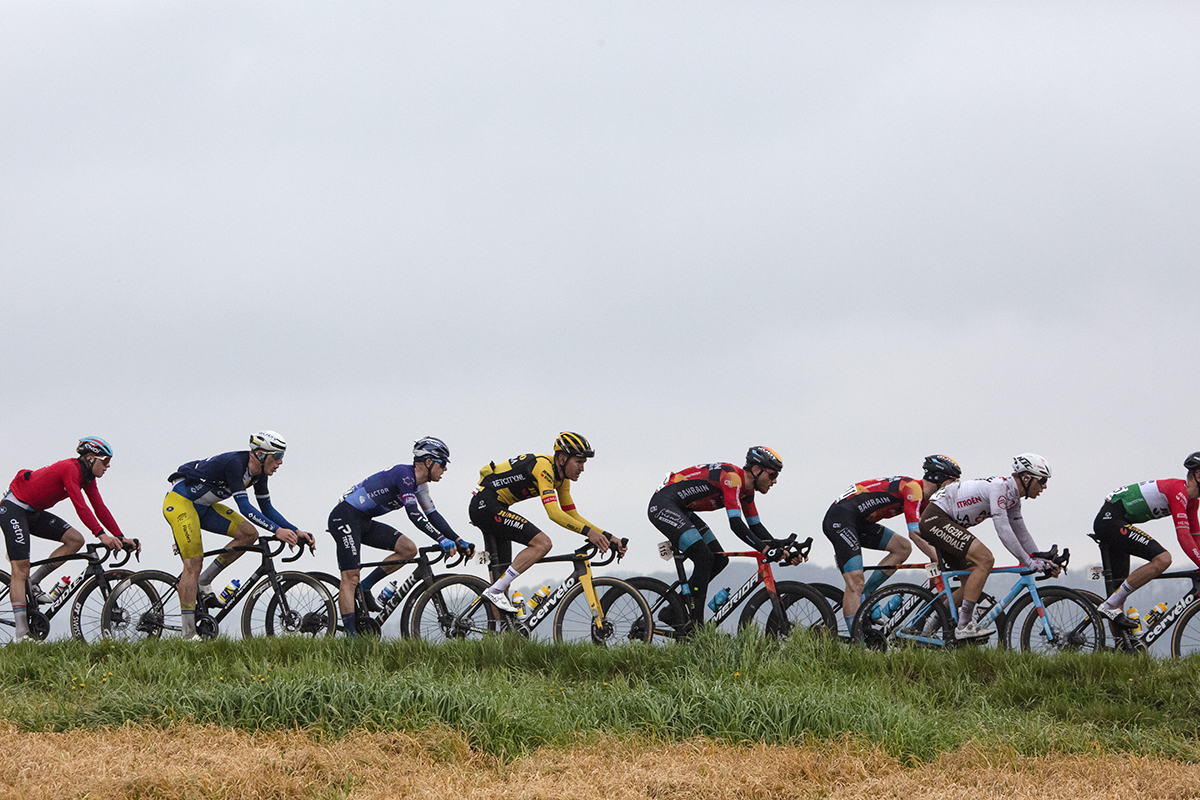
point(90, 589)
point(777, 608)
point(404, 595)
point(912, 615)
point(1182, 615)
point(146, 604)
point(600, 610)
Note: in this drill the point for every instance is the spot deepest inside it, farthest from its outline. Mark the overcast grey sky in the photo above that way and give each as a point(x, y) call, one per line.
point(858, 233)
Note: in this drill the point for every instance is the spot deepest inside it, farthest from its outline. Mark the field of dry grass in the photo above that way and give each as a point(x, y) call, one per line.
point(190, 761)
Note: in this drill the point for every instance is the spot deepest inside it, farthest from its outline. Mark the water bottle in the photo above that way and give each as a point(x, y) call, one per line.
point(539, 597)
point(1155, 614)
point(1132, 613)
point(518, 600)
point(387, 594)
point(229, 591)
point(61, 586)
point(719, 599)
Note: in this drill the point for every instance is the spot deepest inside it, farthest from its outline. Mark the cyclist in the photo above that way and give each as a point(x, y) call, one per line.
point(193, 506)
point(522, 477)
point(852, 523)
point(708, 487)
point(352, 522)
point(1139, 502)
point(963, 504)
point(24, 512)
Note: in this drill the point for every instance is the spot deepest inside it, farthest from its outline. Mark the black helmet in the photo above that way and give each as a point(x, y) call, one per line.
point(1192, 462)
point(431, 447)
point(573, 445)
point(941, 468)
point(764, 457)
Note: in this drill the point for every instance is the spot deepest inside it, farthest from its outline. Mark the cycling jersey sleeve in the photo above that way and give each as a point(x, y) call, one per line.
point(71, 478)
point(558, 503)
point(251, 513)
point(1183, 514)
point(263, 496)
point(912, 494)
point(419, 519)
point(1010, 525)
point(106, 517)
point(426, 503)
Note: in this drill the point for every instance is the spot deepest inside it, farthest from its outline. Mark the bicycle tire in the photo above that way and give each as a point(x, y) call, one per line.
point(453, 608)
point(1073, 620)
point(834, 596)
point(8, 623)
point(625, 611)
point(143, 606)
point(89, 605)
point(918, 619)
point(1184, 642)
point(662, 600)
point(301, 606)
point(804, 606)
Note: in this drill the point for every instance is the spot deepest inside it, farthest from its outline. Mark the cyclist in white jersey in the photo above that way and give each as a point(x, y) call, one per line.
point(964, 504)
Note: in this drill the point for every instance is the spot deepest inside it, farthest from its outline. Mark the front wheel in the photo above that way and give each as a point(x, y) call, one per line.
point(903, 615)
point(453, 608)
point(1071, 623)
point(143, 606)
point(1186, 638)
point(300, 606)
point(623, 615)
point(804, 608)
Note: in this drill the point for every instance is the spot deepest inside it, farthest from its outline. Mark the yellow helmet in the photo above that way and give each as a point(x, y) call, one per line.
point(573, 445)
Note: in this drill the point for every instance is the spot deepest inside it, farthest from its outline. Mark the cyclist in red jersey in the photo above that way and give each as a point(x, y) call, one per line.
point(23, 513)
point(852, 523)
point(708, 487)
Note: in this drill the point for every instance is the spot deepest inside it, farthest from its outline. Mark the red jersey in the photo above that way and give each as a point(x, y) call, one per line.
point(41, 489)
point(708, 487)
point(885, 498)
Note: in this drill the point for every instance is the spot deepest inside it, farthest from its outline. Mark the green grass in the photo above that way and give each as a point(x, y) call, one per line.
point(510, 695)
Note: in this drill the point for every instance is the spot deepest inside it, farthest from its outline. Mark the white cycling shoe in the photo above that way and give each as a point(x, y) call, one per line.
point(972, 630)
point(499, 600)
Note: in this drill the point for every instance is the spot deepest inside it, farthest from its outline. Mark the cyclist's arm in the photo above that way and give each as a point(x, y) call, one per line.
point(913, 496)
point(1010, 526)
point(561, 508)
point(264, 502)
point(251, 513)
point(71, 477)
point(1183, 514)
point(106, 517)
point(421, 521)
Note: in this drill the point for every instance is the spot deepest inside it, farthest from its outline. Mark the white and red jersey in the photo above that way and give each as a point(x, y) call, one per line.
point(971, 502)
point(1166, 498)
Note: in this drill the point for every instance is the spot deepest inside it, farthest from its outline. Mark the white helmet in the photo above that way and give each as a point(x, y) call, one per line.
point(1032, 463)
point(268, 441)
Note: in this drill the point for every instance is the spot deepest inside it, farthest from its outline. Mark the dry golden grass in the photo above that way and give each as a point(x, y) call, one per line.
point(207, 762)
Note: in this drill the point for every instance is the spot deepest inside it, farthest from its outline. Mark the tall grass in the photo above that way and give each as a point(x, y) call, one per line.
point(508, 695)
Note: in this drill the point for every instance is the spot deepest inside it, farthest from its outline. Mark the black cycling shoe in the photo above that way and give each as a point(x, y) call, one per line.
point(672, 616)
point(369, 603)
point(1117, 618)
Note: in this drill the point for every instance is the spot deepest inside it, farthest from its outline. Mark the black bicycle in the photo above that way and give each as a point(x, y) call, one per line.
point(778, 608)
point(90, 590)
point(146, 604)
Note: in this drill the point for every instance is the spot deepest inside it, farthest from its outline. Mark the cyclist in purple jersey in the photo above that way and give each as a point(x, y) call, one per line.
point(352, 522)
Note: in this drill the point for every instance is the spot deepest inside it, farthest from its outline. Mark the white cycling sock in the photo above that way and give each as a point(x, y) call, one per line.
point(505, 580)
point(1117, 598)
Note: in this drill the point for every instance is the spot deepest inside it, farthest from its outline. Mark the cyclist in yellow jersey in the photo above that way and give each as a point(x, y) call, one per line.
point(520, 478)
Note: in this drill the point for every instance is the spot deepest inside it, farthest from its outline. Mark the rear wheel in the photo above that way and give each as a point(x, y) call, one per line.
point(1073, 621)
point(834, 596)
point(668, 611)
point(8, 624)
point(143, 606)
point(804, 608)
point(89, 604)
point(624, 611)
point(453, 608)
point(903, 615)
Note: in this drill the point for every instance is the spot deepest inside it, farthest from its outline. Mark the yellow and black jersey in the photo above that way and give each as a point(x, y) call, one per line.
point(533, 475)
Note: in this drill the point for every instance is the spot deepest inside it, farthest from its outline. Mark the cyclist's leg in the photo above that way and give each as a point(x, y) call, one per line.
point(1124, 540)
point(684, 530)
point(897, 548)
point(496, 520)
point(384, 537)
point(960, 550)
point(19, 525)
point(222, 519)
point(345, 525)
point(839, 528)
point(71, 540)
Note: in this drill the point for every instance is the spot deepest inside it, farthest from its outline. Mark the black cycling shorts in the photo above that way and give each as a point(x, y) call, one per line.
point(951, 540)
point(849, 533)
point(501, 527)
point(1122, 540)
point(351, 529)
point(21, 523)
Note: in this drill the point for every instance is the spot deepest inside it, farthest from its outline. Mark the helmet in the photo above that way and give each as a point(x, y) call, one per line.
point(1033, 464)
point(763, 457)
point(93, 445)
point(1192, 462)
point(268, 441)
point(573, 445)
point(940, 468)
point(431, 447)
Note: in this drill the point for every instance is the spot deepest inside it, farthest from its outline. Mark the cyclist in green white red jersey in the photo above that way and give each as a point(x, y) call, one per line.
point(1137, 503)
point(852, 523)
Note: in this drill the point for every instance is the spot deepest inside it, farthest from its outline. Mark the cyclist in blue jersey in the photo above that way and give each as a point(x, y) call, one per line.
point(352, 522)
point(193, 505)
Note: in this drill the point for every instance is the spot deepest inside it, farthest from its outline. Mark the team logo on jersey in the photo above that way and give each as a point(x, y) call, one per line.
point(408, 480)
point(169, 509)
point(1002, 501)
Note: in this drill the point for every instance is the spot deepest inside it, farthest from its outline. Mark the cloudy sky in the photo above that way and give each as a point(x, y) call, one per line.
point(857, 233)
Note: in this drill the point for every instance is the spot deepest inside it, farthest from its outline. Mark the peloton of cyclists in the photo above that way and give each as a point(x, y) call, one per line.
point(852, 523)
point(708, 487)
point(963, 504)
point(353, 523)
point(193, 505)
point(24, 512)
point(520, 478)
point(1138, 503)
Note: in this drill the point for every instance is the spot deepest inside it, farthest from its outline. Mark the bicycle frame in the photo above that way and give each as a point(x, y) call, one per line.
point(581, 573)
point(266, 568)
point(1161, 626)
point(96, 555)
point(422, 577)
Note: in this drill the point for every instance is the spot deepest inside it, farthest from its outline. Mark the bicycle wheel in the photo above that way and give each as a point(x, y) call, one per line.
point(8, 625)
point(834, 596)
point(624, 610)
point(301, 606)
point(143, 606)
point(668, 610)
point(452, 608)
point(1185, 639)
point(1074, 624)
point(903, 615)
point(89, 604)
point(805, 607)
